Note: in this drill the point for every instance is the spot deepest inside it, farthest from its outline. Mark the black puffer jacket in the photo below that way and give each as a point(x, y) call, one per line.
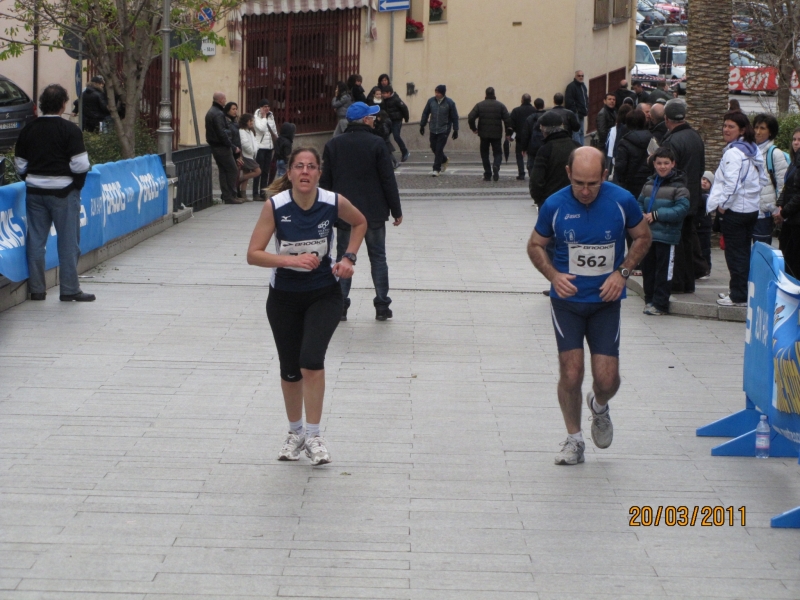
point(531, 136)
point(606, 121)
point(789, 200)
point(519, 117)
point(95, 106)
point(396, 108)
point(630, 161)
point(357, 165)
point(217, 133)
point(233, 129)
point(659, 131)
point(571, 122)
point(690, 157)
point(549, 173)
point(576, 98)
point(283, 147)
point(491, 116)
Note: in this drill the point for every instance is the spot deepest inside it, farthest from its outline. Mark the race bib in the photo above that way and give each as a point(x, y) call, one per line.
point(591, 260)
point(319, 248)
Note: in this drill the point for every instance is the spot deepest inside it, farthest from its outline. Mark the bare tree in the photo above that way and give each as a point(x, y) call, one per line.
point(120, 37)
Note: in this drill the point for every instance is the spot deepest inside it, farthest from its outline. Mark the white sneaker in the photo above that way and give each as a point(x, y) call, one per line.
point(317, 451)
point(723, 294)
point(292, 446)
point(571, 452)
point(602, 428)
point(434, 173)
point(726, 301)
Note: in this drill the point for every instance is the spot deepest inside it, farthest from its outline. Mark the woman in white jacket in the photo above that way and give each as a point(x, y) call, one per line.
point(736, 196)
point(766, 128)
point(249, 167)
point(266, 134)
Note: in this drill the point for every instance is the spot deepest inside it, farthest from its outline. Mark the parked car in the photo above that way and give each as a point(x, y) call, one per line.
point(746, 72)
point(646, 9)
point(655, 36)
point(16, 109)
point(645, 63)
point(676, 38)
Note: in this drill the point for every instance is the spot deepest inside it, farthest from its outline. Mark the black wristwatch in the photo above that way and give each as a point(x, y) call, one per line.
point(350, 256)
point(624, 272)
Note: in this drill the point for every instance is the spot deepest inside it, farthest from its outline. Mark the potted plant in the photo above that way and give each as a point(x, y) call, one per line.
point(414, 29)
point(437, 8)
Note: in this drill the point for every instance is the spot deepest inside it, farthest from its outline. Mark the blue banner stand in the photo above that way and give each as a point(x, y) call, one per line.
point(745, 445)
point(791, 518)
point(733, 425)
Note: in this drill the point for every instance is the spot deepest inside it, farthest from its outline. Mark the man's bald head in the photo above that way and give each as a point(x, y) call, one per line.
point(657, 114)
point(587, 171)
point(587, 155)
point(220, 98)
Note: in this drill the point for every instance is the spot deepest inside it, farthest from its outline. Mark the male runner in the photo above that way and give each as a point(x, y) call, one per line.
point(587, 221)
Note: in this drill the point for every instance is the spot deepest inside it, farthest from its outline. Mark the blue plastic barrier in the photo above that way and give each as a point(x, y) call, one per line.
point(118, 198)
point(771, 368)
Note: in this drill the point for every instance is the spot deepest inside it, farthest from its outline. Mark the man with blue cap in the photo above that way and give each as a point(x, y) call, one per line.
point(358, 166)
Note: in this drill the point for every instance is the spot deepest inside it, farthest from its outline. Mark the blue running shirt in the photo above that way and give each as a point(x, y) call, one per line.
point(589, 240)
point(299, 231)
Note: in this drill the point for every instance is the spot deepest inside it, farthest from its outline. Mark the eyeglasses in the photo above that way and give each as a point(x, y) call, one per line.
point(588, 186)
point(579, 76)
point(301, 167)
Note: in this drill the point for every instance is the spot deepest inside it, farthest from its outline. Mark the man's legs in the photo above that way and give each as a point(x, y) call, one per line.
point(438, 141)
point(66, 213)
point(376, 249)
point(396, 128)
point(570, 366)
point(487, 167)
point(39, 221)
point(497, 155)
point(664, 261)
point(342, 241)
point(578, 136)
point(263, 158)
point(227, 171)
point(520, 160)
point(703, 227)
point(605, 375)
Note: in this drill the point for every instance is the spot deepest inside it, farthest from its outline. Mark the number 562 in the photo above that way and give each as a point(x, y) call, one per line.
point(591, 261)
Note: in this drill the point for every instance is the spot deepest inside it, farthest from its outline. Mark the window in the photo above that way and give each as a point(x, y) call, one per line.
point(622, 10)
point(11, 95)
point(602, 13)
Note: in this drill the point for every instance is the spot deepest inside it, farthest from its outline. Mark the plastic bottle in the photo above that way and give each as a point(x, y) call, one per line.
point(762, 438)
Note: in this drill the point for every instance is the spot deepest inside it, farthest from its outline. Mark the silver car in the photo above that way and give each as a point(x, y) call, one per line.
point(16, 109)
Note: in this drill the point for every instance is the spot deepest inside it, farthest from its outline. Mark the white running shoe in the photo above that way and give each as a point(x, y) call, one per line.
point(726, 301)
point(723, 295)
point(434, 173)
point(317, 451)
point(602, 428)
point(292, 446)
point(571, 452)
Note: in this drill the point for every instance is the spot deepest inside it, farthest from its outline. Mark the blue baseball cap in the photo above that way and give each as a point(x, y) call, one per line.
point(359, 110)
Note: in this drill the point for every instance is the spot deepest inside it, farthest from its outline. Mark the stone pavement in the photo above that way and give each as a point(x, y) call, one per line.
point(138, 436)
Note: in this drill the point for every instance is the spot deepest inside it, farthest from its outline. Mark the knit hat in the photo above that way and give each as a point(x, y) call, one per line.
point(710, 176)
point(551, 119)
point(675, 110)
point(442, 89)
point(264, 102)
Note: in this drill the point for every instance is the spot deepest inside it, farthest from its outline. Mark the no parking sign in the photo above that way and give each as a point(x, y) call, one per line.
point(206, 17)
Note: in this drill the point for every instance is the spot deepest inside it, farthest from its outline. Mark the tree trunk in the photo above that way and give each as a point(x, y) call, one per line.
point(708, 67)
point(784, 86)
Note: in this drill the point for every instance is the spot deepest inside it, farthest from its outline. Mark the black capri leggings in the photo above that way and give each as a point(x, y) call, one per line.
point(303, 324)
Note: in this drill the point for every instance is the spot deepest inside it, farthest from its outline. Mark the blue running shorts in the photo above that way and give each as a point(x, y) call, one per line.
point(598, 322)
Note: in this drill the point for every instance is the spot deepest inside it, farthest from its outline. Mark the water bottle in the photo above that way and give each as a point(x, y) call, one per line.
point(762, 438)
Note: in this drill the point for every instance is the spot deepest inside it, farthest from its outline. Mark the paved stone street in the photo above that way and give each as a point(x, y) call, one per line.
point(138, 435)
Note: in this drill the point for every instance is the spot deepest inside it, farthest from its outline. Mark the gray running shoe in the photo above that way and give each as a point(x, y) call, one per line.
point(444, 165)
point(292, 446)
point(653, 311)
point(571, 452)
point(602, 428)
point(317, 451)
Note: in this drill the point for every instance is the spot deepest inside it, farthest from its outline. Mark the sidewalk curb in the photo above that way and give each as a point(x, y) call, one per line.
point(696, 309)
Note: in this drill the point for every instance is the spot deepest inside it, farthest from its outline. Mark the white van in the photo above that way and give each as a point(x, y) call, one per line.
point(644, 63)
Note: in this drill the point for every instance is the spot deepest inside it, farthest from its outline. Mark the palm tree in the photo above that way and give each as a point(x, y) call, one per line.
point(708, 63)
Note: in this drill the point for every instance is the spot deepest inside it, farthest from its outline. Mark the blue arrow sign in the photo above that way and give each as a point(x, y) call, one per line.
point(390, 5)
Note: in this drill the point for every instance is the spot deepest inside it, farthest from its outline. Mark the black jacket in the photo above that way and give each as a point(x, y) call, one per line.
point(283, 147)
point(95, 107)
point(623, 93)
point(631, 169)
point(576, 98)
point(789, 200)
point(357, 94)
point(531, 137)
point(690, 157)
point(492, 116)
point(658, 94)
point(606, 121)
point(549, 173)
point(519, 116)
point(396, 109)
point(357, 165)
point(659, 131)
point(233, 129)
point(571, 122)
point(217, 132)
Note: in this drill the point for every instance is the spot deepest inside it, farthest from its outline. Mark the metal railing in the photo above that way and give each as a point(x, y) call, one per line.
point(194, 172)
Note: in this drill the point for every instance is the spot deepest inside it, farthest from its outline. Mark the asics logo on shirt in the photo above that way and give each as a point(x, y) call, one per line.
point(571, 217)
point(286, 219)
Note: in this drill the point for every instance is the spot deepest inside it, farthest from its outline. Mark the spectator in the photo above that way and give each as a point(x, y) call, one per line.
point(283, 148)
point(569, 118)
point(658, 127)
point(441, 113)
point(622, 93)
point(640, 92)
point(232, 115)
point(266, 136)
point(340, 104)
point(631, 168)
point(95, 104)
point(549, 172)
point(616, 134)
point(646, 24)
point(357, 165)
point(736, 195)
point(664, 200)
point(519, 117)
point(606, 120)
point(576, 99)
point(383, 129)
point(733, 106)
point(492, 117)
point(52, 161)
point(645, 107)
point(766, 130)
point(704, 222)
point(249, 166)
point(398, 112)
point(356, 90)
point(690, 157)
point(383, 81)
point(532, 138)
point(662, 91)
point(789, 203)
point(218, 136)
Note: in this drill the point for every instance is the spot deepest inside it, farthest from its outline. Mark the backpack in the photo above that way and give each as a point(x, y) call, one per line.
point(771, 164)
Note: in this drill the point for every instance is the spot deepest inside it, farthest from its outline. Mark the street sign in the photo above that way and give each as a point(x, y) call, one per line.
point(208, 48)
point(392, 5)
point(206, 17)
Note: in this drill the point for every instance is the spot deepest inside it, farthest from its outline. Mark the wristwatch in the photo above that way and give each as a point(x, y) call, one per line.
point(350, 256)
point(624, 272)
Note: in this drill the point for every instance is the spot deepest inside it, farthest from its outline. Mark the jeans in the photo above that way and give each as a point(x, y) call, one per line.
point(497, 154)
point(657, 274)
point(579, 135)
point(762, 232)
point(280, 168)
point(518, 149)
point(438, 141)
point(738, 231)
point(228, 171)
point(65, 214)
point(376, 249)
point(264, 160)
point(396, 127)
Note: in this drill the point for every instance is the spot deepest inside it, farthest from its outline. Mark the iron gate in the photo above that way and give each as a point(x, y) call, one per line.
point(295, 60)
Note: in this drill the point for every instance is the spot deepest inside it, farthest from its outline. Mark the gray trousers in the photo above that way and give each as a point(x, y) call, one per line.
point(228, 171)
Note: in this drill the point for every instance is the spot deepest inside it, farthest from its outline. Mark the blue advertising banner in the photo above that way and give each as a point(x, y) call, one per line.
point(118, 198)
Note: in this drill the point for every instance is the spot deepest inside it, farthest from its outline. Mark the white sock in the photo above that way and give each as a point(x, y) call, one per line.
point(312, 430)
point(578, 437)
point(598, 408)
point(296, 427)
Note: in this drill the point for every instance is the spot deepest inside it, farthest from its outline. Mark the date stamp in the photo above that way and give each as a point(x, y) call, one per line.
point(684, 516)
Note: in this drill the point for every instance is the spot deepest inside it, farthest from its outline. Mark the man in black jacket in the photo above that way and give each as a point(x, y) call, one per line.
point(492, 117)
point(641, 94)
point(519, 117)
point(569, 118)
point(398, 112)
point(532, 138)
point(95, 104)
point(549, 172)
point(623, 92)
point(606, 119)
point(690, 157)
point(222, 148)
point(358, 165)
point(576, 98)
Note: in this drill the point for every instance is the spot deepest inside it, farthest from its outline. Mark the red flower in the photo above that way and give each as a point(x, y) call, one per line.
point(413, 26)
point(437, 5)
